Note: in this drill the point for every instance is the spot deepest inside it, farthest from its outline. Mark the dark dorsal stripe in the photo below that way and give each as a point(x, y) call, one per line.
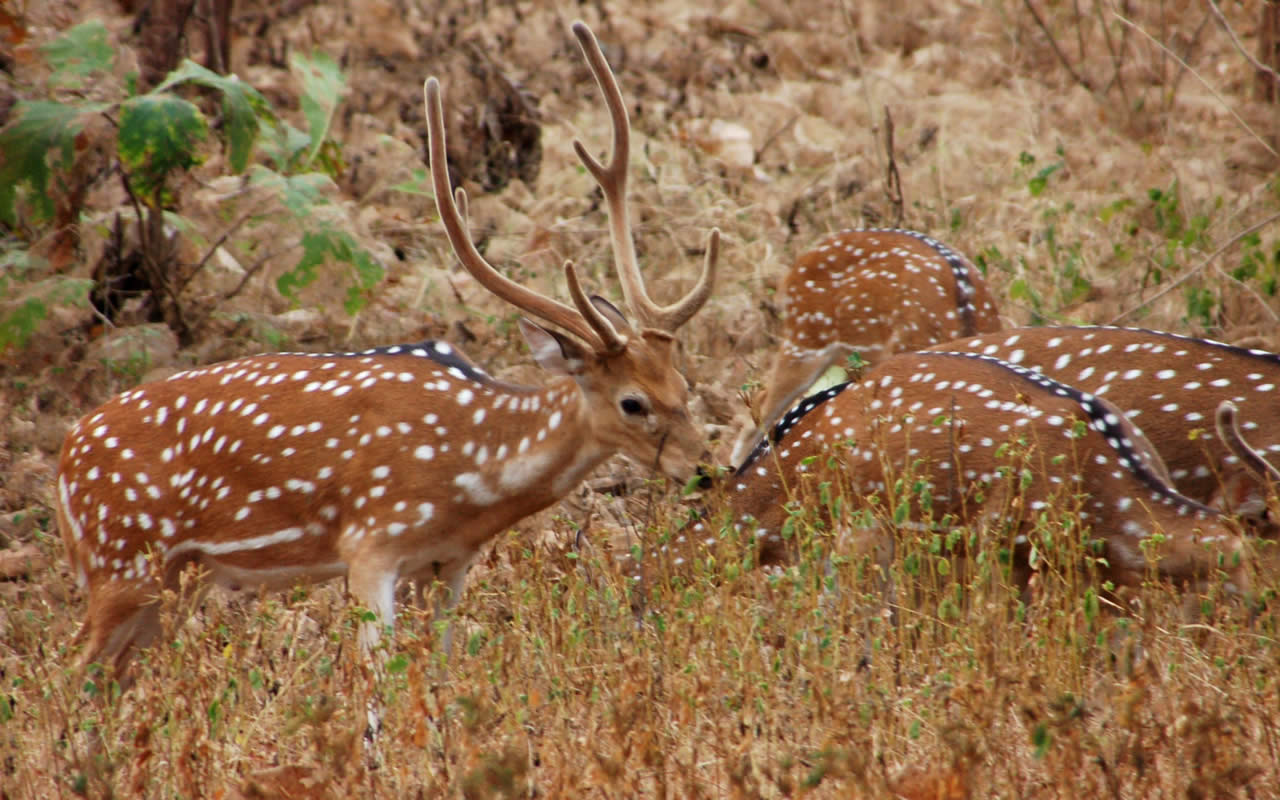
point(962, 289)
point(443, 353)
point(1108, 423)
point(1271, 360)
point(434, 350)
point(788, 422)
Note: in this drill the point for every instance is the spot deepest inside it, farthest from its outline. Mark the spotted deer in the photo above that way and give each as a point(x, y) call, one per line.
point(396, 462)
point(1169, 385)
point(960, 421)
point(874, 292)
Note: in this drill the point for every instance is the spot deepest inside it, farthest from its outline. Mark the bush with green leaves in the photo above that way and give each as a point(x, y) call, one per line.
point(159, 135)
point(1167, 240)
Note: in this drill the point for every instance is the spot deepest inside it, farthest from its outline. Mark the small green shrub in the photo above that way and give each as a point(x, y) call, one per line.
point(160, 135)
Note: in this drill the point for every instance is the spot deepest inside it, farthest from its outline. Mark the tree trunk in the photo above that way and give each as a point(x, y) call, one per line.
point(1268, 51)
point(160, 26)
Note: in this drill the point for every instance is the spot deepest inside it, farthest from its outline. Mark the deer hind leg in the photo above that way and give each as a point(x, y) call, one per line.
point(119, 621)
point(454, 577)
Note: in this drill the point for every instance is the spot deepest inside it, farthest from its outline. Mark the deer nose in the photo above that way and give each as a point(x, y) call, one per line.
point(703, 474)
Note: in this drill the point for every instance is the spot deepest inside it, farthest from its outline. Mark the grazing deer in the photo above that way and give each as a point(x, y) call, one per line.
point(1168, 385)
point(397, 462)
point(967, 424)
point(873, 292)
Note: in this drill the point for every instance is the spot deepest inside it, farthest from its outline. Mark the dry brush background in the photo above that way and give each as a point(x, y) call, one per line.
point(1029, 135)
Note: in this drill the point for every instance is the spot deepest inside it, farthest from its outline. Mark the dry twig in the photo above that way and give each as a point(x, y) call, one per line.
point(1196, 270)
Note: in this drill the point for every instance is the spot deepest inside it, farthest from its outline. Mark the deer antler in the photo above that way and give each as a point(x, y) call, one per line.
point(613, 182)
point(586, 322)
point(1228, 427)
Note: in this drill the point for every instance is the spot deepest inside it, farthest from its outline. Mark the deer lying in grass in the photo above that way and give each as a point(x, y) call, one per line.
point(1169, 385)
point(985, 436)
point(397, 462)
point(873, 292)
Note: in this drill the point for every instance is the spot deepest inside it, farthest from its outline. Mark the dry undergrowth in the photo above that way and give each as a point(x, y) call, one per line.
point(732, 682)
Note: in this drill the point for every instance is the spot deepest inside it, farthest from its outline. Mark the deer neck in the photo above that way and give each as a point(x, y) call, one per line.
point(551, 449)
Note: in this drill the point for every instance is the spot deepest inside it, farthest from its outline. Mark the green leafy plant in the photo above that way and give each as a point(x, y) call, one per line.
point(320, 247)
point(159, 136)
point(25, 303)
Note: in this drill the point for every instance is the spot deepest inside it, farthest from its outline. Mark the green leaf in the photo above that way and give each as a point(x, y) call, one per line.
point(1200, 303)
point(158, 135)
point(1111, 209)
point(298, 192)
point(692, 485)
point(78, 53)
point(419, 185)
point(243, 107)
point(319, 247)
point(21, 318)
point(1041, 738)
point(368, 274)
point(286, 146)
point(901, 512)
point(1038, 183)
point(322, 88)
point(1091, 608)
point(37, 128)
point(315, 252)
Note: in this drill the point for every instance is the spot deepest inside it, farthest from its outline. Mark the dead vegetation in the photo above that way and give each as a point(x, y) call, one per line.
point(1100, 160)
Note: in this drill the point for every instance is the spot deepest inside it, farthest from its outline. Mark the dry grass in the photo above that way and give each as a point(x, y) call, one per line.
point(731, 682)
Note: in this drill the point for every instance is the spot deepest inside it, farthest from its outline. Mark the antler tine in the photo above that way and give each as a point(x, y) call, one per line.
point(460, 199)
point(682, 311)
point(613, 182)
point(456, 228)
point(614, 342)
point(1229, 431)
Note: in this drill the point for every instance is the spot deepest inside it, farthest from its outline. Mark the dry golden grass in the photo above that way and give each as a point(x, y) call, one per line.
point(730, 682)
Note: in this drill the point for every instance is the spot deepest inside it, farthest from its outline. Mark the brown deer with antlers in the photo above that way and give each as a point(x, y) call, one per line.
point(968, 425)
point(873, 292)
point(1169, 385)
point(397, 462)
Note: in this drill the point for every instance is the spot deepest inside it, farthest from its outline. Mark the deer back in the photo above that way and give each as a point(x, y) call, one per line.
point(1169, 385)
point(883, 291)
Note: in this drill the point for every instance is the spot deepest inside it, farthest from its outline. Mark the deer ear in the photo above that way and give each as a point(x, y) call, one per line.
point(611, 313)
point(553, 352)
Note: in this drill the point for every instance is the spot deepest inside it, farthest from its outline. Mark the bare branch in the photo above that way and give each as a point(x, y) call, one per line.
point(1181, 279)
point(235, 226)
point(1235, 42)
point(1203, 82)
point(1062, 57)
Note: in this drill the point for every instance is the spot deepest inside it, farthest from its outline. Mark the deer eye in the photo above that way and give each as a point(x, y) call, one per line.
point(633, 406)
